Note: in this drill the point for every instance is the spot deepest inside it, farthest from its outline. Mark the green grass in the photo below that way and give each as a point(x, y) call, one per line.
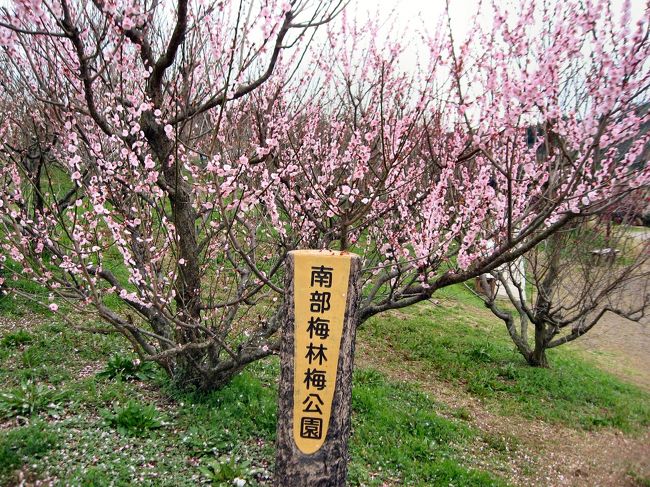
point(636, 229)
point(29, 399)
point(10, 305)
point(127, 367)
point(399, 436)
point(457, 343)
point(134, 418)
point(154, 434)
point(25, 443)
point(16, 339)
point(244, 409)
point(639, 480)
point(50, 346)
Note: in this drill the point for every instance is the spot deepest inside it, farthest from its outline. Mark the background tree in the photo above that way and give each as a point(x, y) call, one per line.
point(204, 140)
point(572, 280)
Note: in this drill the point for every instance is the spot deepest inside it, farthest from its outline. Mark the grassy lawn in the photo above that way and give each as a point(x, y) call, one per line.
point(68, 417)
point(458, 342)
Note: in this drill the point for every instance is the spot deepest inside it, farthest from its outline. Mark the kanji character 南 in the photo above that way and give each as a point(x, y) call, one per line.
point(322, 276)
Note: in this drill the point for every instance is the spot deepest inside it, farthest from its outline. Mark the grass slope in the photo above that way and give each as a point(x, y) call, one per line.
point(62, 422)
point(65, 421)
point(458, 342)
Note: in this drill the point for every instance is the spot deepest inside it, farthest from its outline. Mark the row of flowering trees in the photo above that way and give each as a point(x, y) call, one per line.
point(168, 155)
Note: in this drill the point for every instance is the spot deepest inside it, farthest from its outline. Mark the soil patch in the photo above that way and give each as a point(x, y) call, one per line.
point(528, 452)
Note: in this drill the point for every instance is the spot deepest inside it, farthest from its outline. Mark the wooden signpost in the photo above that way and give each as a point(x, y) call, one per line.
point(316, 356)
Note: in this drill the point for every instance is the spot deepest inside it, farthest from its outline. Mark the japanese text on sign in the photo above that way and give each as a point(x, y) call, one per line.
point(320, 294)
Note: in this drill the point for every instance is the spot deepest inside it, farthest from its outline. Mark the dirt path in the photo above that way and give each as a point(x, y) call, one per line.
point(619, 345)
point(532, 452)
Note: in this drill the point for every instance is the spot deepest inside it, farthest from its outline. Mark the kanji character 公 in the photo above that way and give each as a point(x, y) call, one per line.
point(314, 402)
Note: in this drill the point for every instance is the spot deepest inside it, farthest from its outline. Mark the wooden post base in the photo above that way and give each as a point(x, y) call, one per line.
point(328, 465)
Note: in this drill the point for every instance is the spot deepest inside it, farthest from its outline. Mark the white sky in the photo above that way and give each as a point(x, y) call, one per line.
point(406, 10)
point(414, 14)
point(410, 17)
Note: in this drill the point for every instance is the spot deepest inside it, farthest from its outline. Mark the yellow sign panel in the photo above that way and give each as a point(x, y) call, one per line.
point(320, 298)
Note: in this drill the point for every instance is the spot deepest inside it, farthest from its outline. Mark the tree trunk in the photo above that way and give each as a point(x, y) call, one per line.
point(537, 358)
point(328, 465)
point(36, 182)
point(188, 289)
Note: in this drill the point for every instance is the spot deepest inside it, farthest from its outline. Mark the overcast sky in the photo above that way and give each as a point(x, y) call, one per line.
point(412, 16)
point(409, 14)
